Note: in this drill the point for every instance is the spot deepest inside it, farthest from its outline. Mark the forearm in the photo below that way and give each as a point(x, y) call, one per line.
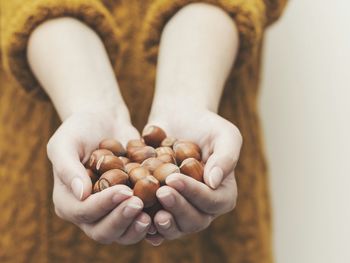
point(71, 63)
point(197, 50)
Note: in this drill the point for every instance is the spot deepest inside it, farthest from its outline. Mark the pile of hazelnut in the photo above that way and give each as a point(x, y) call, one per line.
point(144, 164)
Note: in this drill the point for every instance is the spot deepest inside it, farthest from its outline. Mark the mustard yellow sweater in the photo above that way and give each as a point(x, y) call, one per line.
point(130, 29)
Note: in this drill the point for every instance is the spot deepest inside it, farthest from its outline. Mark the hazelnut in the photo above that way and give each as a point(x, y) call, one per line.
point(194, 145)
point(153, 135)
point(151, 163)
point(110, 178)
point(134, 144)
point(167, 158)
point(92, 175)
point(96, 188)
point(146, 189)
point(109, 162)
point(137, 174)
point(125, 160)
point(114, 146)
point(192, 168)
point(162, 172)
point(164, 150)
point(184, 150)
point(168, 142)
point(129, 166)
point(95, 156)
point(142, 153)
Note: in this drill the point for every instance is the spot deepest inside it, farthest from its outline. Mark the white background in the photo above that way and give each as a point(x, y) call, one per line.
point(305, 100)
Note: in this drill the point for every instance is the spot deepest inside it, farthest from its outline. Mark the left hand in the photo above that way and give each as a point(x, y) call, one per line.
point(190, 206)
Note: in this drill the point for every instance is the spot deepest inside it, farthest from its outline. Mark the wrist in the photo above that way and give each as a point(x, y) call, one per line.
point(176, 111)
point(181, 96)
point(106, 103)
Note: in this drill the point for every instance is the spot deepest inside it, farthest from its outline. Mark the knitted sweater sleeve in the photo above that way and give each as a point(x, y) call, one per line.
point(20, 17)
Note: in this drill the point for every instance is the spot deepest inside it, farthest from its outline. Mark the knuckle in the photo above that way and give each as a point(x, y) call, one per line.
point(50, 147)
point(231, 204)
point(58, 212)
point(80, 216)
point(61, 170)
point(237, 133)
point(213, 205)
point(100, 238)
point(233, 130)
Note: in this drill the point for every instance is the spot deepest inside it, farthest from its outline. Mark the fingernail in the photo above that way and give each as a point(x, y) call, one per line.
point(166, 197)
point(154, 242)
point(215, 177)
point(131, 210)
point(152, 230)
point(165, 225)
point(141, 226)
point(175, 182)
point(77, 188)
point(120, 196)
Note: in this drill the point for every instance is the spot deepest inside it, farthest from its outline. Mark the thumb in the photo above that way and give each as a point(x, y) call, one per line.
point(223, 159)
point(66, 163)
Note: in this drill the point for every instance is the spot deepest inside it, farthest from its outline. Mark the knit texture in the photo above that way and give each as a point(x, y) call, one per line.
point(29, 229)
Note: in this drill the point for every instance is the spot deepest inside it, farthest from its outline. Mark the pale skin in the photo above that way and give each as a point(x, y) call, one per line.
point(197, 51)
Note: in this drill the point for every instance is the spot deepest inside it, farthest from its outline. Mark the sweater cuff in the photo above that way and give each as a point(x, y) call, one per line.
point(249, 17)
point(274, 9)
point(33, 13)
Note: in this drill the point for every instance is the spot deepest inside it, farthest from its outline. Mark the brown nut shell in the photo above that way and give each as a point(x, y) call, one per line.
point(109, 162)
point(192, 168)
point(110, 178)
point(151, 164)
point(92, 176)
point(146, 189)
point(96, 188)
point(168, 142)
point(142, 153)
point(114, 146)
point(135, 144)
point(194, 145)
point(137, 174)
point(164, 150)
point(167, 158)
point(125, 160)
point(129, 166)
point(153, 135)
point(186, 150)
point(162, 172)
point(95, 156)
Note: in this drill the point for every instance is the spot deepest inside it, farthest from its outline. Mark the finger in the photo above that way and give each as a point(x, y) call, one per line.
point(224, 158)
point(204, 198)
point(187, 218)
point(115, 224)
point(155, 240)
point(152, 230)
point(137, 230)
point(92, 208)
point(66, 163)
point(166, 225)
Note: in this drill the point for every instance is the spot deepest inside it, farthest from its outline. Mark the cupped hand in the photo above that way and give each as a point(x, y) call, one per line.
point(190, 206)
point(112, 215)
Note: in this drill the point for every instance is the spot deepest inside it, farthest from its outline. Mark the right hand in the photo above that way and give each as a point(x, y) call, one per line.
point(113, 215)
